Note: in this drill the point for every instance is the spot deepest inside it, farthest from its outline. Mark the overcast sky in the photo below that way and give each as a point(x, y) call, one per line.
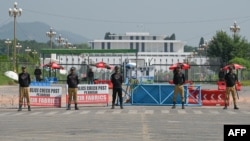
point(188, 19)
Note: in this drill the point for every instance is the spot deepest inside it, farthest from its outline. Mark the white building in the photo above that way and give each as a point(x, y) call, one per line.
point(152, 49)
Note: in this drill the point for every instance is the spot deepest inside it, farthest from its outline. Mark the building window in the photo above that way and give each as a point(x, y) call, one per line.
point(143, 38)
point(142, 47)
point(165, 47)
point(131, 46)
point(93, 45)
point(171, 47)
point(137, 37)
point(108, 45)
point(103, 45)
point(120, 37)
point(131, 38)
point(137, 47)
point(154, 37)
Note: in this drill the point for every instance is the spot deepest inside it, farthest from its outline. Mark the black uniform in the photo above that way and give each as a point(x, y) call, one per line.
point(24, 92)
point(117, 79)
point(178, 80)
point(72, 81)
point(37, 74)
point(230, 79)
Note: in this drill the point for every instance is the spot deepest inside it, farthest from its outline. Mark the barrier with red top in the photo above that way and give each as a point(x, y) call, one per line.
point(208, 97)
point(222, 85)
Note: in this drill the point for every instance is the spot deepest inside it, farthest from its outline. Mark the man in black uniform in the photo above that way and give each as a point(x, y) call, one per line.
point(24, 92)
point(38, 73)
point(178, 80)
point(230, 79)
point(90, 76)
point(117, 79)
point(72, 81)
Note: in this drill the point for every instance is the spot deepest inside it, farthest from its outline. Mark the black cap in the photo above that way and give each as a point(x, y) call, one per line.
point(72, 69)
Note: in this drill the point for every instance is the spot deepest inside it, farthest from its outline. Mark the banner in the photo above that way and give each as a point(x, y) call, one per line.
point(45, 96)
point(92, 94)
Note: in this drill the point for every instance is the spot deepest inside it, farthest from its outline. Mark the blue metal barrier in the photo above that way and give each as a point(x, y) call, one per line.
point(159, 94)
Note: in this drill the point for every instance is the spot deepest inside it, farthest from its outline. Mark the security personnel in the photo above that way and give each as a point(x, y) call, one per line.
point(72, 81)
point(24, 92)
point(178, 79)
point(117, 79)
point(230, 79)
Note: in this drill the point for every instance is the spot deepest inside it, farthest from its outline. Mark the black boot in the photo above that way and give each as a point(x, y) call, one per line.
point(29, 108)
point(225, 107)
point(76, 108)
point(235, 107)
point(173, 107)
point(20, 108)
point(68, 108)
point(113, 106)
point(121, 106)
point(182, 105)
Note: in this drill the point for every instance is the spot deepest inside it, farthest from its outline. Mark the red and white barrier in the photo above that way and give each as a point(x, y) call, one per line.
point(92, 94)
point(45, 96)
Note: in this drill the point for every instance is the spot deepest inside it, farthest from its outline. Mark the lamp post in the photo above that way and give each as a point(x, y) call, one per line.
point(14, 13)
point(51, 34)
point(18, 46)
point(34, 53)
point(59, 40)
point(234, 28)
point(27, 50)
point(67, 44)
point(8, 42)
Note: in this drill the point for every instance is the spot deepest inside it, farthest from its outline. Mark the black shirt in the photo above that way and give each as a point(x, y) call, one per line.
point(24, 79)
point(72, 80)
point(37, 72)
point(230, 79)
point(116, 79)
point(179, 78)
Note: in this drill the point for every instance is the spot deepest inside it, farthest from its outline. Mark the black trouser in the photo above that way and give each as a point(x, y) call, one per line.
point(119, 91)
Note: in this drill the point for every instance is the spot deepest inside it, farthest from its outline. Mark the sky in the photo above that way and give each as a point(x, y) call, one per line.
point(189, 20)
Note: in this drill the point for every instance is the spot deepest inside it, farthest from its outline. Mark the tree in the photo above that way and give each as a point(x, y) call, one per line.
point(201, 42)
point(107, 36)
point(227, 48)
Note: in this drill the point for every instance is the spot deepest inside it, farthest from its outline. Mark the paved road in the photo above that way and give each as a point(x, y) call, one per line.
point(134, 123)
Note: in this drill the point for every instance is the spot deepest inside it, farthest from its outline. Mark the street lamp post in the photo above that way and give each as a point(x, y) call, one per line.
point(34, 54)
point(67, 44)
point(59, 40)
point(18, 46)
point(234, 28)
point(51, 34)
point(27, 50)
point(14, 13)
point(8, 42)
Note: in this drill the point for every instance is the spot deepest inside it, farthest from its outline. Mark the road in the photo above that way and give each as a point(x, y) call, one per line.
point(133, 123)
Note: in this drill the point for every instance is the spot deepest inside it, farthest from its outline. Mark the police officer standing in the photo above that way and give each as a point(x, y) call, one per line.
point(90, 76)
point(24, 91)
point(72, 81)
point(117, 79)
point(230, 79)
point(38, 73)
point(178, 79)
